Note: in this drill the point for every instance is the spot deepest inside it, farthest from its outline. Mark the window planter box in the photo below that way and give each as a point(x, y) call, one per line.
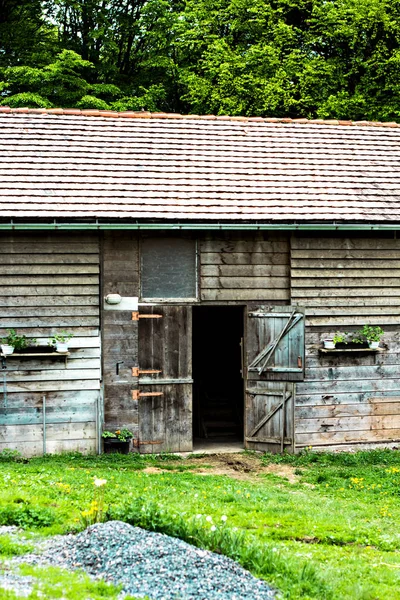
point(113, 445)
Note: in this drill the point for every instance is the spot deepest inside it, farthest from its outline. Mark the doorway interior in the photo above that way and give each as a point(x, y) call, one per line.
point(218, 401)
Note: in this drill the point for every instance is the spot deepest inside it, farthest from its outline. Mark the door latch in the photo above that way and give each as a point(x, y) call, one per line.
point(120, 362)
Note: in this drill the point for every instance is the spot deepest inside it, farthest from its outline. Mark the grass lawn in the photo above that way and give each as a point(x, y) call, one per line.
point(314, 526)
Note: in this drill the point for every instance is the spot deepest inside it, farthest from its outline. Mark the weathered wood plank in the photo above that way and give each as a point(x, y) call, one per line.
point(346, 437)
point(34, 289)
point(54, 432)
point(388, 298)
point(56, 374)
point(239, 283)
point(354, 397)
point(244, 271)
point(348, 410)
point(62, 311)
point(36, 280)
point(352, 282)
point(56, 321)
point(244, 258)
point(355, 385)
point(47, 301)
point(49, 248)
point(356, 423)
point(354, 311)
point(37, 269)
point(340, 255)
point(56, 399)
point(347, 292)
point(50, 386)
point(265, 295)
point(31, 416)
point(51, 364)
point(325, 243)
point(47, 332)
point(317, 262)
point(241, 246)
point(352, 320)
point(29, 449)
point(339, 274)
point(50, 259)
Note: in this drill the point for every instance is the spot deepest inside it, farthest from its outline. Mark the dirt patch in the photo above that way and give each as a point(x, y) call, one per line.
point(240, 466)
point(153, 470)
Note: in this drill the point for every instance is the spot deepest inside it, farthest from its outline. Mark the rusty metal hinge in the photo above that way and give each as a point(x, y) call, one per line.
point(299, 362)
point(151, 442)
point(136, 371)
point(136, 316)
point(136, 394)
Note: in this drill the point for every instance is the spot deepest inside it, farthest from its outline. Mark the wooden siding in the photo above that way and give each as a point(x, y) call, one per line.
point(242, 267)
point(344, 282)
point(50, 282)
point(120, 334)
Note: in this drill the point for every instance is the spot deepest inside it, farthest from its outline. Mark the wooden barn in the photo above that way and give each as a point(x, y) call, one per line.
point(200, 263)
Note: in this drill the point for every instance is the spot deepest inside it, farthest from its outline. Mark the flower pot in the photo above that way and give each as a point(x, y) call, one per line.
point(61, 346)
point(7, 349)
point(328, 344)
point(112, 445)
point(373, 345)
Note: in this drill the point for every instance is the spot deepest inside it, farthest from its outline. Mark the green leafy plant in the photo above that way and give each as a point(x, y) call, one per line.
point(18, 342)
point(371, 333)
point(340, 338)
point(123, 435)
point(61, 337)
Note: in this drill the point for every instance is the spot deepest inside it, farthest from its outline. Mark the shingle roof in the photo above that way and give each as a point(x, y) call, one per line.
point(68, 164)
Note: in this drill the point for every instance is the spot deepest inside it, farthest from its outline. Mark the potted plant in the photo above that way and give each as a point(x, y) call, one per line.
point(14, 342)
point(372, 334)
point(329, 343)
point(61, 341)
point(340, 340)
point(117, 441)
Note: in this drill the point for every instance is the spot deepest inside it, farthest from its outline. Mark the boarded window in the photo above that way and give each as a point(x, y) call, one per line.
point(168, 268)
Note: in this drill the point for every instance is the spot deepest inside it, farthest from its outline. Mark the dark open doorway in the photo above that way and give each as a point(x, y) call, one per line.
point(218, 385)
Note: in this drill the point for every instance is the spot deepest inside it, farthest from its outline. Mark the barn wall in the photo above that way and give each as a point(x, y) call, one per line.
point(120, 266)
point(345, 281)
point(50, 282)
point(244, 266)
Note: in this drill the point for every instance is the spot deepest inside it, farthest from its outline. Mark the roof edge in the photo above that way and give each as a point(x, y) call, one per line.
point(202, 226)
point(161, 115)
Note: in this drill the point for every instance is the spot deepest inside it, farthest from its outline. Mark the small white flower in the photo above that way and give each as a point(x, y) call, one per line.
point(224, 518)
point(196, 495)
point(209, 519)
point(213, 528)
point(198, 516)
point(99, 482)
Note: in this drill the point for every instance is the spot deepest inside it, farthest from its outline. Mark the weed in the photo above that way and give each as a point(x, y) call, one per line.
point(11, 547)
point(26, 516)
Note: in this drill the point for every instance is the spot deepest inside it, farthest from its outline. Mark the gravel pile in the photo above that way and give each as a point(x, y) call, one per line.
point(153, 564)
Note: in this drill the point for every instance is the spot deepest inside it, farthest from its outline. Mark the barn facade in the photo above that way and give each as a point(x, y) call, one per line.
point(233, 247)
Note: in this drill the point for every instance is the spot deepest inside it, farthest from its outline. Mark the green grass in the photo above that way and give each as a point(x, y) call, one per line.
point(332, 534)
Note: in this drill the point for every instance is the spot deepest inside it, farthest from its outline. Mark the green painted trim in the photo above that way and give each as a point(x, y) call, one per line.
point(203, 226)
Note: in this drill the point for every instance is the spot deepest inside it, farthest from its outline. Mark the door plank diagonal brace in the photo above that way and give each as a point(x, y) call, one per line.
point(267, 353)
point(285, 396)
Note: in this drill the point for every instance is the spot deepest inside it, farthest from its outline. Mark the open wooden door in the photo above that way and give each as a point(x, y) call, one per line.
point(275, 360)
point(165, 379)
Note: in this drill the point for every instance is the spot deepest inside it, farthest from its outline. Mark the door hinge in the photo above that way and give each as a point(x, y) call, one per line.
point(136, 316)
point(136, 371)
point(299, 362)
point(136, 394)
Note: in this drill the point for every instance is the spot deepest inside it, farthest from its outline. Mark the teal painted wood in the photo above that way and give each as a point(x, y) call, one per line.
point(34, 416)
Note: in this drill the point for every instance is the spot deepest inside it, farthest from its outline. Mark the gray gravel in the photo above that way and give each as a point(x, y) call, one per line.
point(152, 564)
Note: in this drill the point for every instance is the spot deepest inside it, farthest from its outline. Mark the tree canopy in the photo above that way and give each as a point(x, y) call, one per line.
point(296, 58)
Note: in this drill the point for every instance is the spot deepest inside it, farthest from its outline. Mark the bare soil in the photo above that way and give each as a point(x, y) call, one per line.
point(238, 466)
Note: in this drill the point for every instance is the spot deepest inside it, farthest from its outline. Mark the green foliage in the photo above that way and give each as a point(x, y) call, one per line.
point(11, 547)
point(371, 333)
point(62, 337)
point(8, 455)
point(340, 514)
point(325, 58)
point(26, 516)
point(19, 342)
point(123, 435)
